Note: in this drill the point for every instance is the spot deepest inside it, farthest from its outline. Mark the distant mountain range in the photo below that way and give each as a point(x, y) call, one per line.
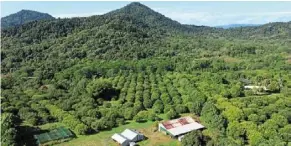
point(236, 25)
point(23, 17)
point(135, 16)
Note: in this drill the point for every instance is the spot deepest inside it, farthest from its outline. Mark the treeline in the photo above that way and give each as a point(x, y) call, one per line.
point(69, 120)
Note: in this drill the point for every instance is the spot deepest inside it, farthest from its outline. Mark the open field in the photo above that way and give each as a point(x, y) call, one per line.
point(104, 138)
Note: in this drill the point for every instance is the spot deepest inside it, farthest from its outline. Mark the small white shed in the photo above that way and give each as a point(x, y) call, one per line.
point(123, 141)
point(132, 135)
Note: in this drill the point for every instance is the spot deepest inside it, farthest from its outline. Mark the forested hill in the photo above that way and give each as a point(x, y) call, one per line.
point(144, 15)
point(91, 74)
point(236, 25)
point(136, 15)
point(22, 17)
point(275, 30)
point(132, 32)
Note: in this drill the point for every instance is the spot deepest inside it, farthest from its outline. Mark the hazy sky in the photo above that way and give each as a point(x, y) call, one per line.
point(197, 13)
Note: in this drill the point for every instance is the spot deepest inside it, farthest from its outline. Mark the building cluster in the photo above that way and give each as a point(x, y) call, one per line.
point(128, 137)
point(176, 128)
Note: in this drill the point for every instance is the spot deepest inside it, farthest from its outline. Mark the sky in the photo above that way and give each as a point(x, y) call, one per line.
point(196, 13)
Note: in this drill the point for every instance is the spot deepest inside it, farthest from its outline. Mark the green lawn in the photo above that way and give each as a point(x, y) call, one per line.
point(104, 138)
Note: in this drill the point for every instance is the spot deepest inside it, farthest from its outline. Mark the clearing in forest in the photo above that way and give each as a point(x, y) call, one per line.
point(103, 138)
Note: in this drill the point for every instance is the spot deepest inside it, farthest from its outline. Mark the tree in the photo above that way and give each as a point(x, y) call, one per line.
point(274, 86)
point(128, 113)
point(233, 113)
point(194, 107)
point(101, 88)
point(153, 116)
point(142, 116)
point(8, 129)
point(280, 120)
point(172, 114)
point(181, 109)
point(235, 91)
point(254, 118)
point(99, 125)
point(81, 129)
point(138, 106)
point(235, 130)
point(285, 133)
point(66, 118)
point(158, 106)
point(255, 137)
point(194, 138)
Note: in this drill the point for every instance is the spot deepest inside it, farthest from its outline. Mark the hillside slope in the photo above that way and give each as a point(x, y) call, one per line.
point(275, 30)
point(22, 17)
point(132, 32)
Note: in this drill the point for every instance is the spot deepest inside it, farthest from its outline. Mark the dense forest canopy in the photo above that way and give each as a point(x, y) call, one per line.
point(95, 73)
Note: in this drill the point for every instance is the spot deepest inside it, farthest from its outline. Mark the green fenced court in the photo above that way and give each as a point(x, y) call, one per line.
point(56, 134)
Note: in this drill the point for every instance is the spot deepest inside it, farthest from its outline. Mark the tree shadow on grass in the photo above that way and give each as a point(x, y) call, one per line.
point(25, 135)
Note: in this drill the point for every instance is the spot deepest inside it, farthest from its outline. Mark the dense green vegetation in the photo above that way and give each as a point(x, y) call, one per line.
point(22, 17)
point(93, 74)
point(8, 129)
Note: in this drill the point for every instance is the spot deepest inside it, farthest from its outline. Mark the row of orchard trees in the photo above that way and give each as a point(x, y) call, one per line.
point(150, 90)
point(140, 96)
point(69, 120)
point(147, 92)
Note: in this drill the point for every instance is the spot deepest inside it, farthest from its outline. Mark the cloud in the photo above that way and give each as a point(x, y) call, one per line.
point(206, 18)
point(215, 19)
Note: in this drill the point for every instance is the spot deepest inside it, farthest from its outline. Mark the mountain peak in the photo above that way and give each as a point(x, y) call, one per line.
point(28, 11)
point(136, 4)
point(142, 14)
point(23, 16)
point(25, 10)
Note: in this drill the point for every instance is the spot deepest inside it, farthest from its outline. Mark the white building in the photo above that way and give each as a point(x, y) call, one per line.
point(123, 141)
point(256, 87)
point(179, 127)
point(132, 135)
point(128, 137)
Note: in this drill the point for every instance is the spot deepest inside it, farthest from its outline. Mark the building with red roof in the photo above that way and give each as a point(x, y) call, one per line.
point(179, 127)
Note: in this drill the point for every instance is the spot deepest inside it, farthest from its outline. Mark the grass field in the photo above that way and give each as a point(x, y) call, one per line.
point(104, 138)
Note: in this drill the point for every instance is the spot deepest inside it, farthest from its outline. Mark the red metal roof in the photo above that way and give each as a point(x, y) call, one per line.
point(177, 122)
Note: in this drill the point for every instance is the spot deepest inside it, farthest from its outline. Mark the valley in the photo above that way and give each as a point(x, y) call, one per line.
point(135, 68)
